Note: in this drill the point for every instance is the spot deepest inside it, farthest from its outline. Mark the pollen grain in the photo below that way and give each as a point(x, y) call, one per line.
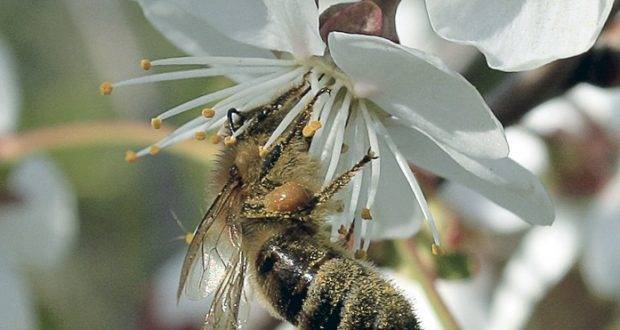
point(208, 113)
point(156, 123)
point(106, 88)
point(145, 64)
point(131, 156)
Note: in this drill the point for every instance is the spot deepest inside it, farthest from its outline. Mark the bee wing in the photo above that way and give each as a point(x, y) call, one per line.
point(229, 309)
point(202, 253)
point(209, 267)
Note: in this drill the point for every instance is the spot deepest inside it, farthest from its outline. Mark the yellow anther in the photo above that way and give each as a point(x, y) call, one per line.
point(262, 152)
point(200, 135)
point(437, 250)
point(131, 156)
point(366, 214)
point(216, 139)
point(208, 113)
point(189, 237)
point(156, 123)
point(106, 88)
point(311, 128)
point(154, 150)
point(360, 254)
point(230, 141)
point(145, 64)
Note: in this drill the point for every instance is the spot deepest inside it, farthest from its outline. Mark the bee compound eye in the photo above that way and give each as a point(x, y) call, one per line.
point(289, 197)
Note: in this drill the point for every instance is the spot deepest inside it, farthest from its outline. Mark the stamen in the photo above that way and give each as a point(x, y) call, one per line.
point(146, 64)
point(154, 150)
point(437, 250)
point(156, 123)
point(374, 146)
point(106, 88)
point(365, 214)
point(292, 114)
point(189, 74)
point(324, 115)
point(230, 141)
point(226, 92)
point(336, 135)
point(215, 60)
point(208, 113)
point(216, 139)
point(200, 135)
point(131, 156)
point(268, 86)
point(311, 128)
point(413, 183)
point(243, 128)
point(263, 152)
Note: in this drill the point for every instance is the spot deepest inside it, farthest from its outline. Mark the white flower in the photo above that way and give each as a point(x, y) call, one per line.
point(584, 230)
point(400, 102)
point(521, 34)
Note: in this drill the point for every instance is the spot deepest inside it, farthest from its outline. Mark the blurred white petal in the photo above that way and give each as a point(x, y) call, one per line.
point(601, 257)
point(9, 97)
point(183, 23)
point(542, 259)
point(39, 229)
point(166, 311)
point(555, 115)
point(599, 104)
point(521, 34)
point(468, 299)
point(16, 306)
point(422, 91)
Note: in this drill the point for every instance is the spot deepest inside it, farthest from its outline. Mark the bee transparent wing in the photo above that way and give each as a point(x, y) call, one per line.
point(230, 309)
point(204, 263)
point(209, 268)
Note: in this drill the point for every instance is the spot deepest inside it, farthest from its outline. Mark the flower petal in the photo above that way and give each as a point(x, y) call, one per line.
point(542, 259)
point(526, 149)
point(599, 104)
point(422, 91)
point(501, 180)
point(395, 212)
point(183, 23)
point(601, 262)
point(521, 34)
point(8, 92)
point(16, 305)
point(39, 230)
point(284, 25)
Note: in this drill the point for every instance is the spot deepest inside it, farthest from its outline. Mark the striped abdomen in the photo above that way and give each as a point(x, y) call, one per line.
point(314, 286)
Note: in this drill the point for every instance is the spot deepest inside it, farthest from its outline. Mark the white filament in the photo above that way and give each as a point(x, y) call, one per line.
point(338, 131)
point(219, 94)
point(197, 73)
point(216, 60)
point(374, 146)
point(413, 183)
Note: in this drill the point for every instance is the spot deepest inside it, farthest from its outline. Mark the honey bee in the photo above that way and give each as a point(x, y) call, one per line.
point(266, 228)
